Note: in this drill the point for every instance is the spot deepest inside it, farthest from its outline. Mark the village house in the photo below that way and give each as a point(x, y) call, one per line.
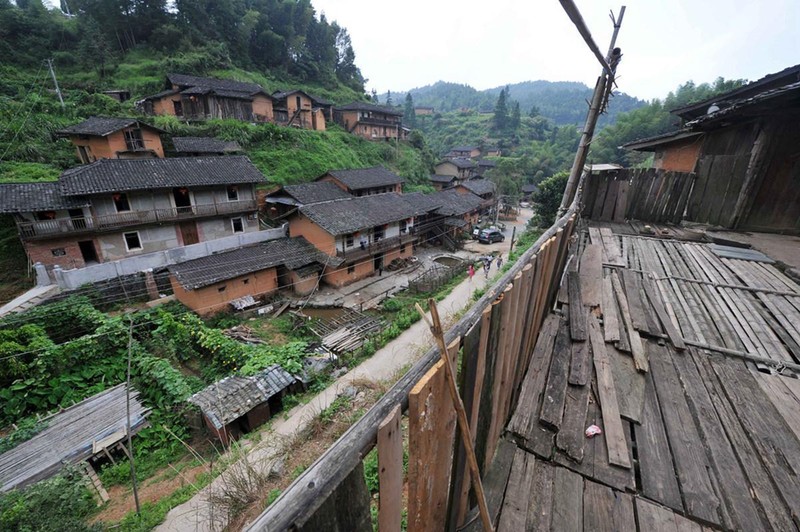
point(299, 109)
point(458, 167)
point(101, 137)
point(198, 98)
point(366, 233)
point(365, 181)
point(372, 122)
point(211, 284)
point(204, 146)
point(742, 148)
point(287, 199)
point(528, 190)
point(443, 182)
point(493, 151)
point(117, 208)
point(467, 152)
point(450, 216)
point(424, 111)
point(482, 188)
point(485, 165)
point(236, 405)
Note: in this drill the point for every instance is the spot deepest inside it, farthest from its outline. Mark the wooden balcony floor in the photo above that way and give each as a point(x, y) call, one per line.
point(697, 440)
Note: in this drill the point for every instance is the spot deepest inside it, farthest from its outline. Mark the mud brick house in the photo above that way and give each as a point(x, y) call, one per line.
point(485, 165)
point(482, 188)
point(459, 167)
point(210, 284)
point(372, 122)
point(198, 98)
point(366, 233)
point(365, 181)
point(299, 109)
point(289, 198)
point(467, 152)
point(742, 148)
point(236, 405)
point(443, 182)
point(450, 215)
point(113, 138)
point(202, 146)
point(117, 208)
point(424, 111)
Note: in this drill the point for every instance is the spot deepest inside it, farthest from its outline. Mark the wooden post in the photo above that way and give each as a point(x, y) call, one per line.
point(390, 472)
point(463, 424)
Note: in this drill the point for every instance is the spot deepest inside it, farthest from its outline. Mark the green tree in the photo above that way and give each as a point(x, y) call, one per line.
point(389, 98)
point(501, 112)
point(516, 119)
point(409, 116)
point(534, 112)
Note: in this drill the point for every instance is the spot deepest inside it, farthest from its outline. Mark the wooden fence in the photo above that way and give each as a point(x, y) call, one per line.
point(496, 338)
point(643, 194)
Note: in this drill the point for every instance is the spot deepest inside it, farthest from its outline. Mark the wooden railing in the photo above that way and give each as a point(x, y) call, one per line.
point(496, 337)
point(110, 222)
point(379, 246)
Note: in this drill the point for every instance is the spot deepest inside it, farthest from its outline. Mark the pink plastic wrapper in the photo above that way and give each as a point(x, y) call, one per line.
point(593, 431)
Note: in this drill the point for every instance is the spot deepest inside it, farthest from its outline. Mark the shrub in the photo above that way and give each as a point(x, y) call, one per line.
point(547, 199)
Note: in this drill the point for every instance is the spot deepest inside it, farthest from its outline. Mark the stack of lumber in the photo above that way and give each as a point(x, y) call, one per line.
point(347, 332)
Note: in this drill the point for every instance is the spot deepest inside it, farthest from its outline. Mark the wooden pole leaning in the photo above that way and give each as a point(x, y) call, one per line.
point(463, 423)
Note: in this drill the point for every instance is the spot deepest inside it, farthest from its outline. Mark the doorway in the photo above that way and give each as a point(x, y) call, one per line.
point(88, 251)
point(189, 233)
point(183, 200)
point(377, 262)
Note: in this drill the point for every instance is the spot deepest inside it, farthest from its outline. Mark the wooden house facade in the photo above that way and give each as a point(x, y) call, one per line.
point(297, 108)
point(371, 122)
point(113, 138)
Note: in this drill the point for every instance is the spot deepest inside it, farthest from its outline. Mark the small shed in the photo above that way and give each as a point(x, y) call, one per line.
point(236, 405)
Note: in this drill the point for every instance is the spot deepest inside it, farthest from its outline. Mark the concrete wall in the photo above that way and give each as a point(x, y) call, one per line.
point(71, 279)
point(216, 297)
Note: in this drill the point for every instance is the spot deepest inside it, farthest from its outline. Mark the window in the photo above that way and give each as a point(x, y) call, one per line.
point(378, 233)
point(132, 241)
point(403, 226)
point(351, 269)
point(121, 202)
point(58, 252)
point(83, 153)
point(238, 225)
point(348, 240)
point(134, 140)
point(402, 248)
point(245, 281)
point(233, 193)
point(178, 106)
point(221, 288)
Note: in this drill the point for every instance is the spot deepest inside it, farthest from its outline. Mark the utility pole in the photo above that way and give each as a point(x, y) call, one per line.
point(602, 91)
point(55, 82)
point(128, 417)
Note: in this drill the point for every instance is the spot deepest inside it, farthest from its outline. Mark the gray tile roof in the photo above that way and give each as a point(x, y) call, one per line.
point(233, 397)
point(455, 203)
point(114, 175)
point(316, 192)
point(437, 178)
point(282, 95)
point(205, 145)
point(460, 162)
point(368, 107)
point(350, 215)
point(33, 197)
point(183, 80)
point(292, 252)
point(101, 126)
point(361, 178)
point(487, 163)
point(464, 148)
point(479, 186)
point(529, 189)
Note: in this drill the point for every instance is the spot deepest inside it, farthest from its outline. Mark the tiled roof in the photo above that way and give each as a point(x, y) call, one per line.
point(357, 179)
point(308, 193)
point(184, 80)
point(349, 215)
point(368, 107)
point(233, 397)
point(437, 178)
point(114, 175)
point(424, 203)
point(156, 96)
point(282, 95)
point(527, 189)
point(456, 204)
point(291, 252)
point(460, 162)
point(101, 126)
point(464, 148)
point(33, 197)
point(204, 145)
point(479, 186)
point(487, 163)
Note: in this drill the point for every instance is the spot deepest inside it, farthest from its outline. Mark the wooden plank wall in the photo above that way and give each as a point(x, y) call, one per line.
point(645, 194)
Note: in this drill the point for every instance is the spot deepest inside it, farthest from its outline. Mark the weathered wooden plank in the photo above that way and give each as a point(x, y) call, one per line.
point(628, 383)
point(611, 247)
point(654, 518)
point(687, 446)
point(607, 214)
point(577, 314)
point(515, 504)
point(580, 369)
point(540, 509)
point(611, 330)
point(494, 484)
point(390, 472)
point(639, 356)
point(571, 438)
point(346, 509)
point(622, 202)
point(605, 509)
point(555, 391)
point(763, 489)
point(615, 437)
point(634, 294)
point(431, 432)
point(567, 501)
point(780, 395)
point(591, 275)
point(666, 321)
point(659, 481)
point(484, 449)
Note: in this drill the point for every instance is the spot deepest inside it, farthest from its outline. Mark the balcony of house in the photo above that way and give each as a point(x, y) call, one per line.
point(41, 229)
point(374, 248)
point(372, 121)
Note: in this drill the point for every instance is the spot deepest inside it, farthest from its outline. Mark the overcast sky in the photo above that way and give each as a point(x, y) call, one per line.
point(402, 45)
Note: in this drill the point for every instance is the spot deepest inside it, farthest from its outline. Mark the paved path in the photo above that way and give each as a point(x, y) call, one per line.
point(198, 515)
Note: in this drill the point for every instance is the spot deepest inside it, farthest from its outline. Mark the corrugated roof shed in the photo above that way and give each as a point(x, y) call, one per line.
point(361, 178)
point(292, 252)
point(69, 437)
point(205, 145)
point(33, 197)
point(233, 397)
point(114, 175)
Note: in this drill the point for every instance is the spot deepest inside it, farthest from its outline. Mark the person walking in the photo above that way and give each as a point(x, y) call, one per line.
point(471, 271)
point(486, 265)
point(499, 261)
